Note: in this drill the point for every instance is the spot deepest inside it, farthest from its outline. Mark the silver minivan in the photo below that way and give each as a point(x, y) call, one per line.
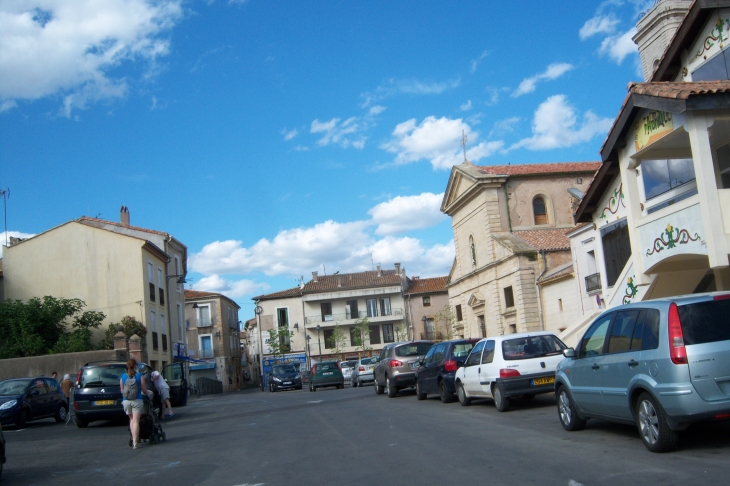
point(660, 364)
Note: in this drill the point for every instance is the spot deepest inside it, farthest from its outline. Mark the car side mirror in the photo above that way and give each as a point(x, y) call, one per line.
point(569, 353)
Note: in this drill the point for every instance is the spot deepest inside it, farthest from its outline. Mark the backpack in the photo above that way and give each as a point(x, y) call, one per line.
point(129, 392)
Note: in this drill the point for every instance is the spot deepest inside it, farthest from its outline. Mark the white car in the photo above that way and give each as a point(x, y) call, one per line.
point(503, 367)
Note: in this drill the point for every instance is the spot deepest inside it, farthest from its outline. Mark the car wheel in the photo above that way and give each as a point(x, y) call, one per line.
point(501, 402)
point(464, 400)
point(653, 426)
point(390, 389)
point(446, 395)
point(61, 414)
point(22, 419)
point(378, 389)
point(81, 423)
point(419, 394)
point(566, 411)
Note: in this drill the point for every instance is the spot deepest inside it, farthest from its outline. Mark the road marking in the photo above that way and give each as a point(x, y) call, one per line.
point(316, 401)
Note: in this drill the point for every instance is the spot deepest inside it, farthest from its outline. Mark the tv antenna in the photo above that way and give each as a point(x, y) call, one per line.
point(6, 194)
point(463, 144)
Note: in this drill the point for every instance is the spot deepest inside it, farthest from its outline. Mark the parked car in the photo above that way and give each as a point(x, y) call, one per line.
point(26, 399)
point(514, 365)
point(397, 364)
point(660, 364)
point(2, 451)
point(327, 373)
point(347, 367)
point(438, 368)
point(97, 395)
point(284, 377)
point(363, 371)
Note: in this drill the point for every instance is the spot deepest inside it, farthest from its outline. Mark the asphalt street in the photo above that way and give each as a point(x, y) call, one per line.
point(354, 437)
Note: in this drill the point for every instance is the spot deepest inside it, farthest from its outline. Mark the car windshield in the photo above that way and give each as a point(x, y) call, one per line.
point(462, 350)
point(705, 322)
point(102, 376)
point(413, 349)
point(365, 361)
point(348, 364)
point(531, 347)
point(283, 369)
point(13, 387)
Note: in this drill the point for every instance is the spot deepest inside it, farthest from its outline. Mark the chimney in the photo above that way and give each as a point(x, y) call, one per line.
point(397, 269)
point(314, 277)
point(124, 216)
point(379, 272)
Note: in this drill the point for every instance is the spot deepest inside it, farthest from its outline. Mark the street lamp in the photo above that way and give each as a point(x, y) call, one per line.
point(424, 328)
point(319, 343)
point(309, 352)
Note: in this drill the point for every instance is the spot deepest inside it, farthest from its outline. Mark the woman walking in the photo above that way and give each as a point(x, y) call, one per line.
point(133, 385)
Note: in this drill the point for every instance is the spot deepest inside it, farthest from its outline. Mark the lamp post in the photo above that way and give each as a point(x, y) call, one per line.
point(258, 310)
point(180, 280)
point(308, 352)
point(424, 328)
point(319, 343)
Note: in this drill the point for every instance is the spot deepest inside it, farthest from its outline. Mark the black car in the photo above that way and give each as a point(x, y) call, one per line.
point(174, 375)
point(97, 395)
point(436, 373)
point(26, 399)
point(284, 377)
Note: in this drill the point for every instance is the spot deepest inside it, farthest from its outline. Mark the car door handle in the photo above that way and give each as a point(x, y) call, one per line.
point(596, 367)
point(479, 370)
point(633, 363)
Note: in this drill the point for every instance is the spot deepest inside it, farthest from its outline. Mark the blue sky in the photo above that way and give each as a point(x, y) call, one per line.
point(279, 138)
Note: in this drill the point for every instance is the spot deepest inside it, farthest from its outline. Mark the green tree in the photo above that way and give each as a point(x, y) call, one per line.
point(361, 335)
point(280, 341)
point(337, 341)
point(39, 326)
point(400, 333)
point(447, 317)
point(128, 325)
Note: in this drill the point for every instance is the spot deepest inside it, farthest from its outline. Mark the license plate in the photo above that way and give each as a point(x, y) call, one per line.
point(414, 365)
point(329, 373)
point(543, 381)
point(368, 368)
point(287, 382)
point(103, 402)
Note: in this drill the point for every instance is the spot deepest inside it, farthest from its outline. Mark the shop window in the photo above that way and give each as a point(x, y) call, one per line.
point(616, 250)
point(663, 175)
point(713, 70)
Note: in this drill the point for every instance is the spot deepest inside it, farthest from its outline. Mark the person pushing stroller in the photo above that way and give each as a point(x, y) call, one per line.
point(164, 390)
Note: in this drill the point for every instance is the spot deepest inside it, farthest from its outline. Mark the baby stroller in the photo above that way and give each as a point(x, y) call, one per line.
point(150, 429)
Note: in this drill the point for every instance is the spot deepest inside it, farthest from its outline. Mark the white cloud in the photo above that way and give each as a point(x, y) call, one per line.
point(8, 105)
point(68, 47)
point(345, 134)
point(600, 24)
point(437, 140)
point(289, 134)
point(413, 87)
point(406, 213)
point(11, 234)
point(495, 93)
point(617, 47)
point(230, 288)
point(475, 62)
point(555, 125)
point(466, 106)
point(502, 127)
point(376, 110)
point(553, 71)
point(424, 262)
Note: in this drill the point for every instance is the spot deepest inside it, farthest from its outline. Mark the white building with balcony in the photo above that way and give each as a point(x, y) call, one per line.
point(658, 209)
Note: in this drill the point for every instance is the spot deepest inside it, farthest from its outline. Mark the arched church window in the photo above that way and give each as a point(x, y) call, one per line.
point(540, 211)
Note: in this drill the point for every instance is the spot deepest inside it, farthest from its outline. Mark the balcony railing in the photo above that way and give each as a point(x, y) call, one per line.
point(593, 282)
point(205, 322)
point(432, 335)
point(206, 353)
point(351, 316)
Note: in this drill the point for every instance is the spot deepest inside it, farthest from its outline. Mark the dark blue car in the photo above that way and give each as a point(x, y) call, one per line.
point(436, 373)
point(26, 399)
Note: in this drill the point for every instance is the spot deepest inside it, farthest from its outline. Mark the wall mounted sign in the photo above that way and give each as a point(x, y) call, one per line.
point(652, 127)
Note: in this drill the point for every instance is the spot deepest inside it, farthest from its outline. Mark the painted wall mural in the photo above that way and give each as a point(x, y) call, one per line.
point(614, 202)
point(631, 290)
point(675, 236)
point(650, 128)
point(718, 35)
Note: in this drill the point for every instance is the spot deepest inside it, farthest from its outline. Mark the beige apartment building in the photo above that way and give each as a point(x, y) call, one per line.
point(213, 332)
point(113, 273)
point(427, 301)
point(512, 255)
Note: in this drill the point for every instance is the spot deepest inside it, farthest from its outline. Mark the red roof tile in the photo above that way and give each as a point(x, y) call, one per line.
point(539, 169)
point(547, 239)
point(202, 294)
point(680, 90)
point(427, 285)
point(557, 274)
point(352, 280)
point(282, 294)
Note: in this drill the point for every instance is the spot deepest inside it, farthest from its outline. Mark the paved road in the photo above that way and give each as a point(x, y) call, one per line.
point(353, 437)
